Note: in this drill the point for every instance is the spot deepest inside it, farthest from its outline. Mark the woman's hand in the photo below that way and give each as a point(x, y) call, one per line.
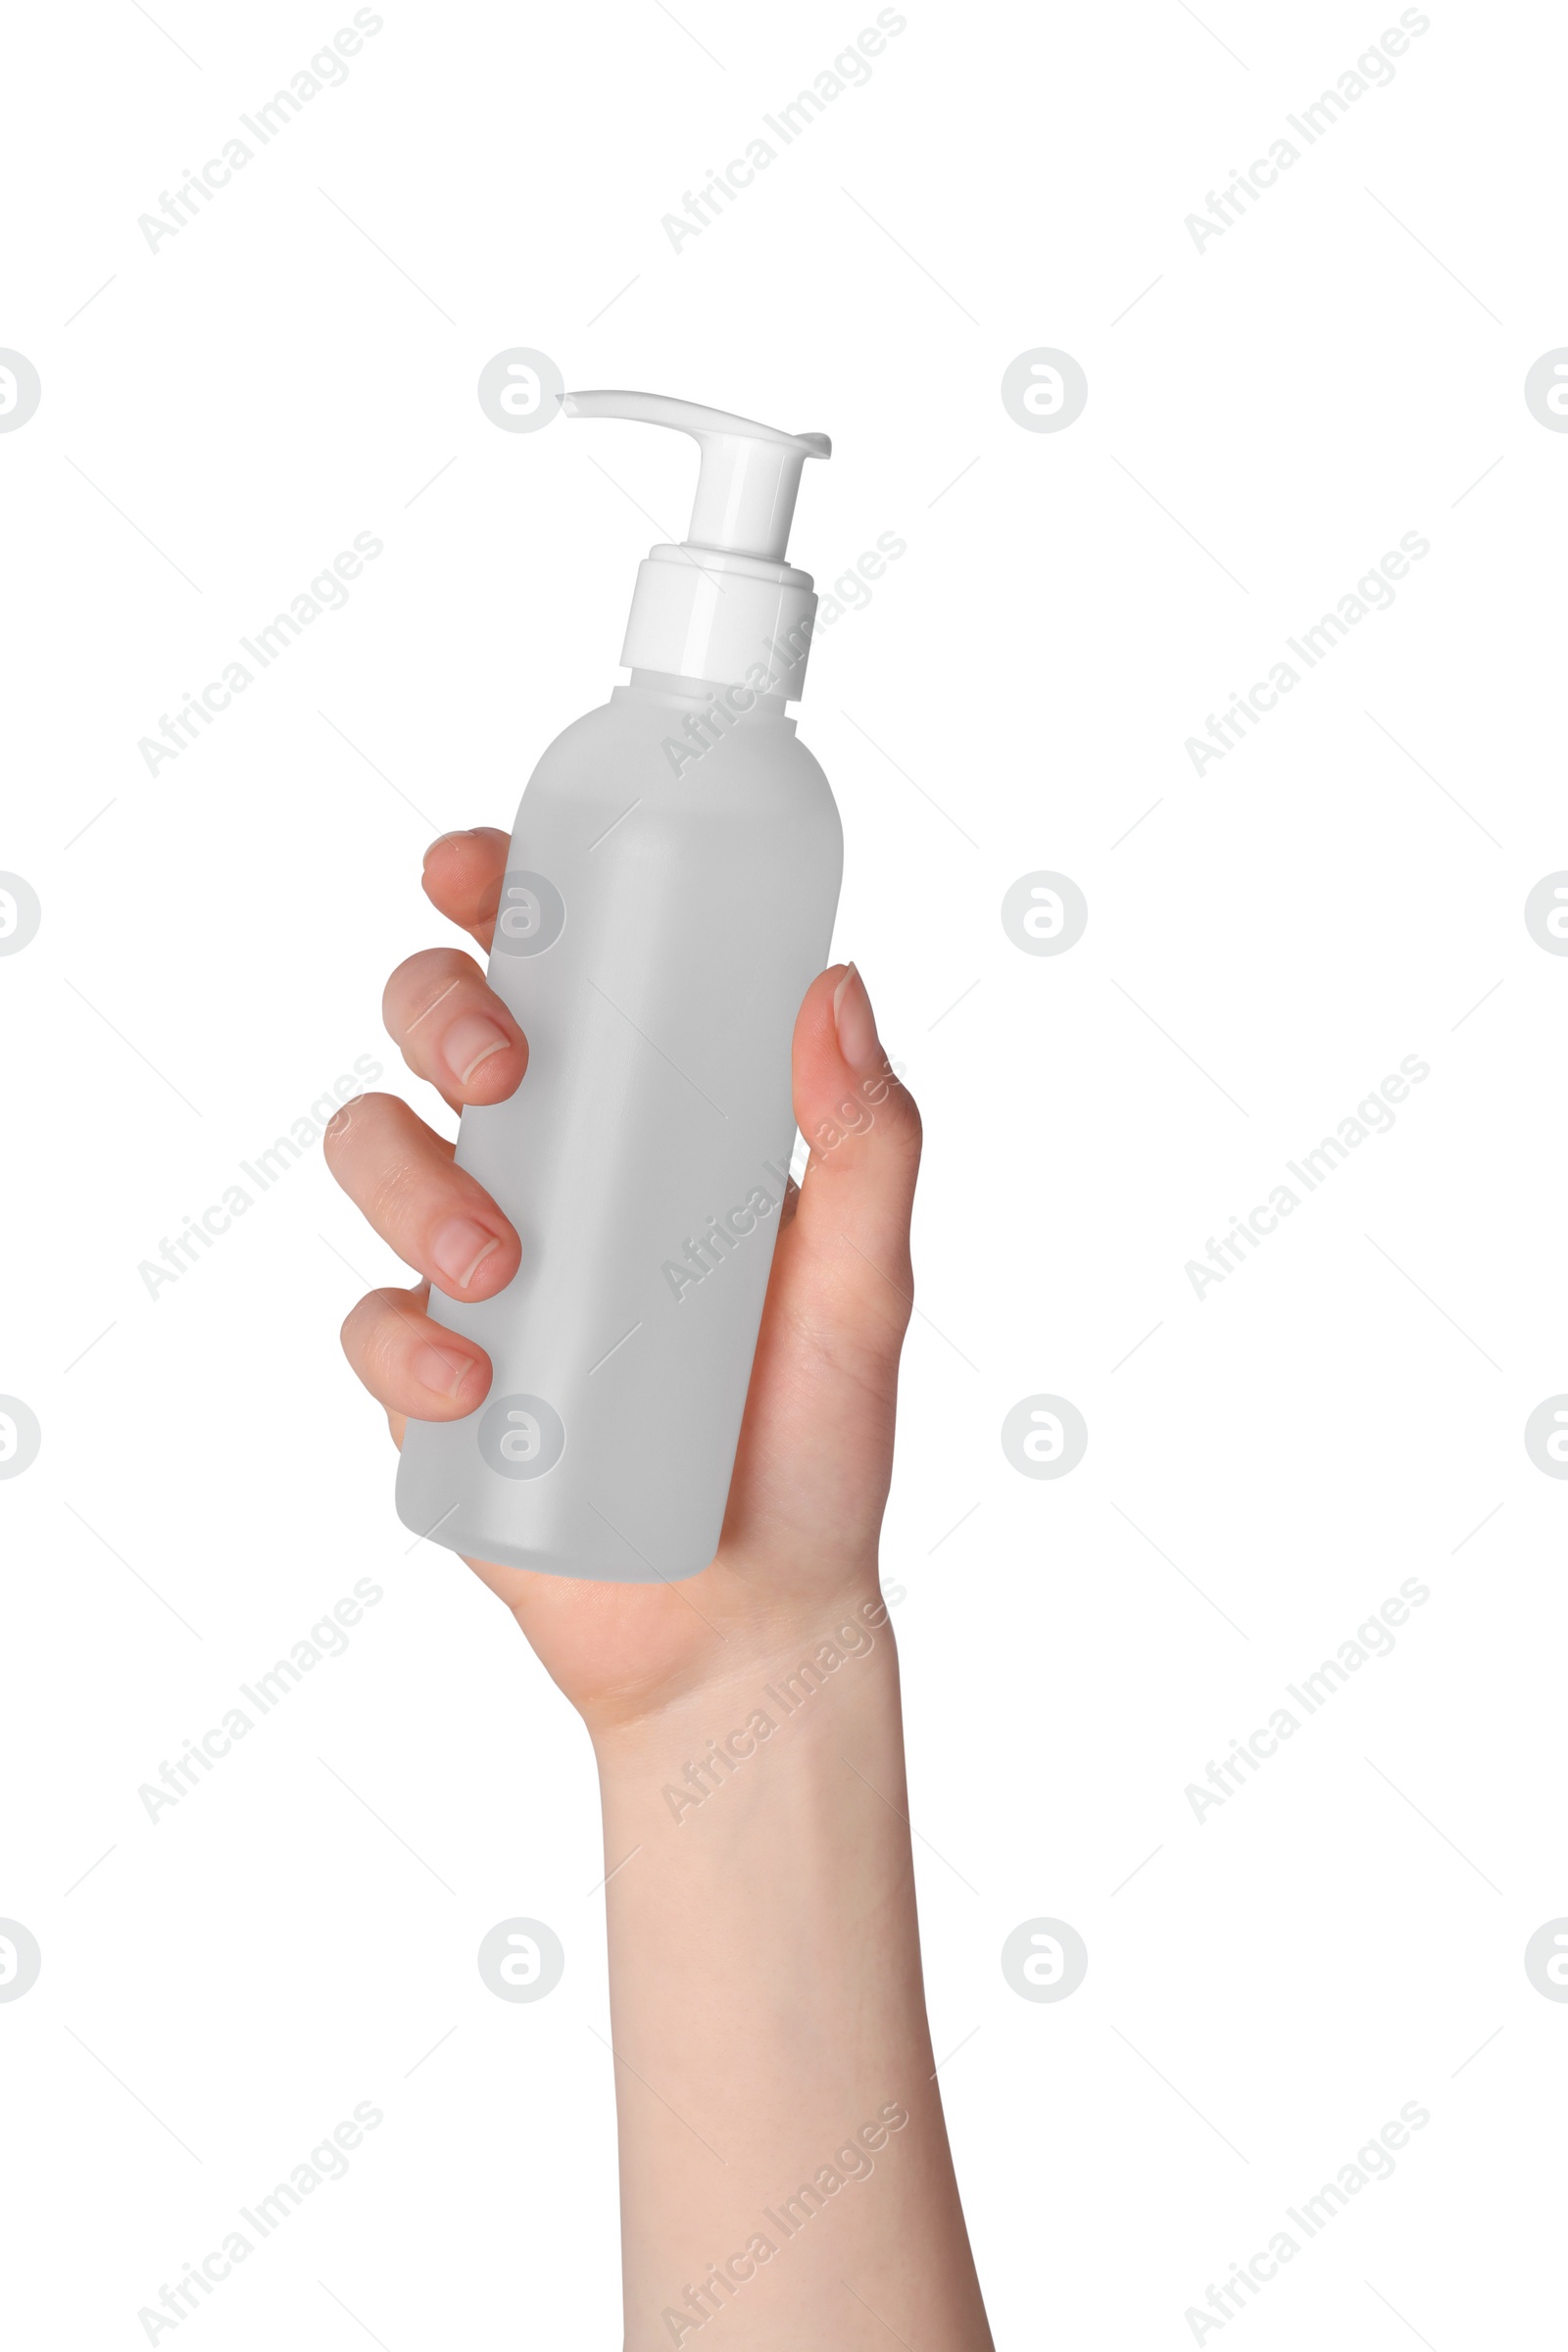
point(781, 2134)
point(811, 1473)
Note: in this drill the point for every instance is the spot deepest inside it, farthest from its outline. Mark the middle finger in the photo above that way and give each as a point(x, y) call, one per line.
point(453, 1028)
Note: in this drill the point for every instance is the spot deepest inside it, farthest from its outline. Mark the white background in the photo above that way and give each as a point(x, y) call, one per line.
point(298, 364)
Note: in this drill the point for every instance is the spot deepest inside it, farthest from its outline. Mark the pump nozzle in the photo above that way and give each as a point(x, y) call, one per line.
point(725, 601)
point(750, 473)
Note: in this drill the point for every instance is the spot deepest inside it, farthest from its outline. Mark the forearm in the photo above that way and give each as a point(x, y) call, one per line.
point(782, 2146)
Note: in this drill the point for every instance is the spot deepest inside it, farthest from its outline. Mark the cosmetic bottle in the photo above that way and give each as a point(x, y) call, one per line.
point(669, 896)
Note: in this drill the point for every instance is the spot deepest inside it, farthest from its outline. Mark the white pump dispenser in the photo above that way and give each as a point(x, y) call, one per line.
point(668, 899)
point(715, 605)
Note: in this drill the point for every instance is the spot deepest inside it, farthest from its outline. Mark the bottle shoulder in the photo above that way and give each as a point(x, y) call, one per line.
point(661, 744)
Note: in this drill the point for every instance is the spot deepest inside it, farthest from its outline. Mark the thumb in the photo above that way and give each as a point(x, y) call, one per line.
point(824, 1382)
point(850, 1232)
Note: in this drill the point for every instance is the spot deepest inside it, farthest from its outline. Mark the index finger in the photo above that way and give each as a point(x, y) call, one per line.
point(462, 877)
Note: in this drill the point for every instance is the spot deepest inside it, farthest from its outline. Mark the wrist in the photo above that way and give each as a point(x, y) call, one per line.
point(816, 1698)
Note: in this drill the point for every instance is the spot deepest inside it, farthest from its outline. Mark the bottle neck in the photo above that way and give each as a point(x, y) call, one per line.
point(738, 705)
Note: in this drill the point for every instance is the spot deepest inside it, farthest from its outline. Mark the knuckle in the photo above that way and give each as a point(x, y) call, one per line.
point(398, 1192)
point(355, 1328)
point(420, 985)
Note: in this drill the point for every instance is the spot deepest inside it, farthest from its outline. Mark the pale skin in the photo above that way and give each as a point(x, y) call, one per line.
point(766, 2003)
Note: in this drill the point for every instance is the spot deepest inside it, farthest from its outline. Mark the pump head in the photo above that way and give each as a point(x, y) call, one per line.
point(723, 607)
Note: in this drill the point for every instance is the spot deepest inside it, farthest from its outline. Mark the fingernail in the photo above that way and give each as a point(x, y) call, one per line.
point(470, 1042)
point(458, 1248)
point(856, 1023)
point(442, 1375)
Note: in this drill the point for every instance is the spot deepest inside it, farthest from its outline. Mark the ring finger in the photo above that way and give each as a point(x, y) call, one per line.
point(403, 1176)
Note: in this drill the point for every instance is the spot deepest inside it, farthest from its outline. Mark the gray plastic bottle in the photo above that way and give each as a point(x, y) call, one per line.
point(669, 896)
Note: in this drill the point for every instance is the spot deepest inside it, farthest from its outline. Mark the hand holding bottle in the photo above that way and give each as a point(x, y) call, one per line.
point(815, 1451)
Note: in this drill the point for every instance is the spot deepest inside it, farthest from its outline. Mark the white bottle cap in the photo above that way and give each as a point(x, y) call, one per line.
point(724, 605)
